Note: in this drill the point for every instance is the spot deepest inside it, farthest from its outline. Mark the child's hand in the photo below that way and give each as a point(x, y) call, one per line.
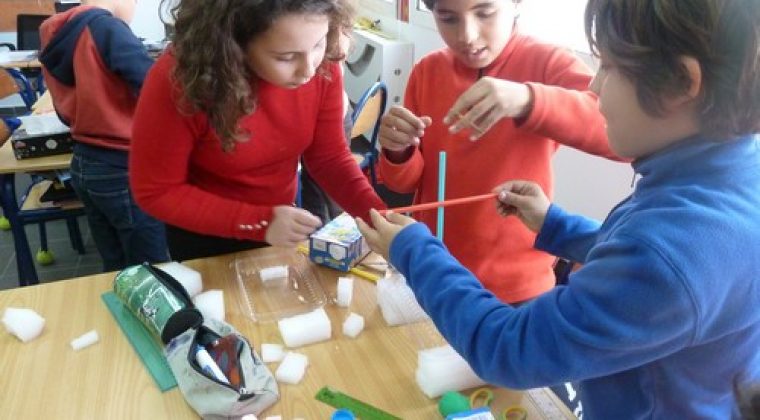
point(525, 200)
point(401, 129)
point(291, 226)
point(379, 239)
point(485, 103)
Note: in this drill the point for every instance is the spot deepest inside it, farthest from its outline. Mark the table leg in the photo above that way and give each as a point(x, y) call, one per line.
point(27, 275)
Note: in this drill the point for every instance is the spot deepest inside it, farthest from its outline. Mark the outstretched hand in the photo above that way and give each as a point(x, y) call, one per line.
point(386, 228)
point(486, 103)
point(525, 200)
point(400, 129)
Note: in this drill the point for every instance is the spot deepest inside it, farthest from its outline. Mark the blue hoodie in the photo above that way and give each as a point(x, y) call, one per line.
point(662, 320)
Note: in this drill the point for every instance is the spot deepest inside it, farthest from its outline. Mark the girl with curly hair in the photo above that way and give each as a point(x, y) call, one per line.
point(246, 88)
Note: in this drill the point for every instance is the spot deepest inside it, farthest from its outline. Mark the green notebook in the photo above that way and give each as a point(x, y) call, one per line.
point(145, 345)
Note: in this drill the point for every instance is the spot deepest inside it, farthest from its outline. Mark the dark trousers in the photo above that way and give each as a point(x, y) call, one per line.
point(315, 200)
point(185, 245)
point(123, 234)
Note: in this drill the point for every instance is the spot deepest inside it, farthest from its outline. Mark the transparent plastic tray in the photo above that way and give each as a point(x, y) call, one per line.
point(298, 293)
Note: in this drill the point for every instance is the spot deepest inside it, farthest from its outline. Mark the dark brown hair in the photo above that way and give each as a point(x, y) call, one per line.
point(209, 42)
point(646, 40)
point(430, 4)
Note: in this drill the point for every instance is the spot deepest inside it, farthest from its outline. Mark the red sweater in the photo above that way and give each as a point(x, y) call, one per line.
point(180, 174)
point(498, 250)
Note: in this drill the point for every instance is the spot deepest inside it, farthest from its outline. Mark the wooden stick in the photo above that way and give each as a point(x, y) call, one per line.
point(436, 204)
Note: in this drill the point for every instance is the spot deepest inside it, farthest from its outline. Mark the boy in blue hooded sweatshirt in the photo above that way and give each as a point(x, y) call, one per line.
point(94, 67)
point(662, 319)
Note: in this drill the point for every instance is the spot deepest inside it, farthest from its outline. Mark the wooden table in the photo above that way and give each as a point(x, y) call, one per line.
point(45, 378)
point(9, 167)
point(22, 64)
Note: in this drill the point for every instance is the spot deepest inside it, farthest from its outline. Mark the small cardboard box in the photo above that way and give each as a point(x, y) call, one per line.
point(41, 135)
point(338, 244)
point(25, 146)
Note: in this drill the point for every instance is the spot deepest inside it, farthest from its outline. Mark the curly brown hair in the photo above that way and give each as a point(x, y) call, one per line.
point(209, 42)
point(646, 40)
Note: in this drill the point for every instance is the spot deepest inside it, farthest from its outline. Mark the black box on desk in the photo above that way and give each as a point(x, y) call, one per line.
point(39, 145)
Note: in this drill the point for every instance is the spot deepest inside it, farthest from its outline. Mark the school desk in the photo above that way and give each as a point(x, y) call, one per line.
point(20, 60)
point(45, 378)
point(9, 167)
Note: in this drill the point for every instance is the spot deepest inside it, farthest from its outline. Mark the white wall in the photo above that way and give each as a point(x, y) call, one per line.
point(8, 37)
point(585, 184)
point(146, 23)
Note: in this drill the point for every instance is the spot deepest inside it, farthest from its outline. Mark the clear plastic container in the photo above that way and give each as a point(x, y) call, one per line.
point(271, 300)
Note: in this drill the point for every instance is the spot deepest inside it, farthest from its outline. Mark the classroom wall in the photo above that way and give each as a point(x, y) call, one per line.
point(147, 23)
point(584, 184)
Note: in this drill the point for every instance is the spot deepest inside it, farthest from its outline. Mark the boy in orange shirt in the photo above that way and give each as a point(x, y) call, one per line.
point(515, 101)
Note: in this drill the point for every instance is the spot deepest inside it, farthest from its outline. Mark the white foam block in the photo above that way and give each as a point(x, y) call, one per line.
point(304, 329)
point(345, 291)
point(23, 323)
point(396, 300)
point(273, 273)
point(188, 278)
point(85, 340)
point(273, 418)
point(271, 352)
point(353, 325)
point(249, 417)
point(211, 304)
point(292, 369)
point(442, 369)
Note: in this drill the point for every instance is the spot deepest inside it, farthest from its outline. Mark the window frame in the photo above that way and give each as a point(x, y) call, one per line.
point(421, 16)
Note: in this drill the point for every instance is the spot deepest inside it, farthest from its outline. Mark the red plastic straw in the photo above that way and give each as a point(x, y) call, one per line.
point(436, 204)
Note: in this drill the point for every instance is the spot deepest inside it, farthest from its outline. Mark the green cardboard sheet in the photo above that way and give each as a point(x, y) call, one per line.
point(145, 345)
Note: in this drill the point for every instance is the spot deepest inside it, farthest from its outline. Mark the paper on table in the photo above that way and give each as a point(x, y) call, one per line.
point(42, 124)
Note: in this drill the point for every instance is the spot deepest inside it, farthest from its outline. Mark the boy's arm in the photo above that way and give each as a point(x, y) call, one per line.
point(121, 51)
point(567, 236)
point(329, 159)
point(404, 177)
point(162, 140)
point(564, 109)
point(623, 309)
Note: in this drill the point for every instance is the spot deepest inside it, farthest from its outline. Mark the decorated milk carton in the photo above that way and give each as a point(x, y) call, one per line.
point(338, 244)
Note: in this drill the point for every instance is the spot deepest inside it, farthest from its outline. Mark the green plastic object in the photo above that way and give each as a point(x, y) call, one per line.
point(364, 411)
point(145, 345)
point(45, 257)
point(5, 224)
point(453, 402)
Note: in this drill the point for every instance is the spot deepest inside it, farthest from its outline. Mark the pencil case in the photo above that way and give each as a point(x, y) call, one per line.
point(158, 300)
point(228, 379)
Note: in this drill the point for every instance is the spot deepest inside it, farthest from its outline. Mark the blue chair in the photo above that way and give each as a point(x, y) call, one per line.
point(366, 116)
point(27, 93)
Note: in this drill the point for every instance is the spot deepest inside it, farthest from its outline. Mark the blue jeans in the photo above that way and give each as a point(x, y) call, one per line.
point(123, 234)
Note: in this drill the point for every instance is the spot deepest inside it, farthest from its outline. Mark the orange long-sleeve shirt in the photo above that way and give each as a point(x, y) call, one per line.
point(498, 250)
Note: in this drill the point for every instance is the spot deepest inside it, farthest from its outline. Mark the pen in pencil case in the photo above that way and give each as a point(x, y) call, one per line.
point(208, 365)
